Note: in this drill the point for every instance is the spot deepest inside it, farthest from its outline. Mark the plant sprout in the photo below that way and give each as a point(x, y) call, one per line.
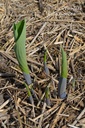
point(20, 51)
point(47, 91)
point(63, 78)
point(45, 63)
point(29, 94)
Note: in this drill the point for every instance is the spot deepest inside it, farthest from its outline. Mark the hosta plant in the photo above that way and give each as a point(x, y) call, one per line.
point(19, 30)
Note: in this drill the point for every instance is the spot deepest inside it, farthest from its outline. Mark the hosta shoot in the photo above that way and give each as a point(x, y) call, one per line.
point(20, 51)
point(47, 91)
point(63, 78)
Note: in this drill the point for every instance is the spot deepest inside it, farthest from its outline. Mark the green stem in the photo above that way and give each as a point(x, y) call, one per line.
point(47, 91)
point(29, 94)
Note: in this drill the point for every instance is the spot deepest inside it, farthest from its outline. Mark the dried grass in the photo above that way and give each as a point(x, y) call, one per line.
point(49, 24)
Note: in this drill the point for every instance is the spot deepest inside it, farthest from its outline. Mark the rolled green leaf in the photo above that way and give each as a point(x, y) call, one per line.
point(64, 69)
point(20, 39)
point(63, 78)
point(19, 30)
point(20, 51)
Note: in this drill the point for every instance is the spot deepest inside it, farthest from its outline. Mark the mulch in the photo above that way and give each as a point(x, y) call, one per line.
point(48, 25)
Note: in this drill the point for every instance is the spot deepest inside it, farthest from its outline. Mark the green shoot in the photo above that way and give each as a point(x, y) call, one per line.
point(64, 70)
point(20, 51)
point(19, 48)
point(63, 78)
point(47, 91)
point(29, 93)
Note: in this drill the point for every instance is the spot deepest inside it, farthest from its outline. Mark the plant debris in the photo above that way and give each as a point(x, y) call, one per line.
point(48, 25)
